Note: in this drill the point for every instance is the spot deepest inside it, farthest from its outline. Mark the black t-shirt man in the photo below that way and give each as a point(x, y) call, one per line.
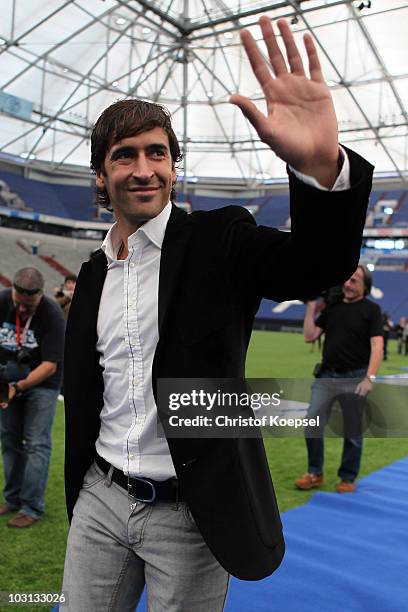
point(352, 355)
point(43, 340)
point(349, 328)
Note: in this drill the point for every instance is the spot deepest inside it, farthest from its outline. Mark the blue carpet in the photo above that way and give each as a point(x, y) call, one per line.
point(345, 553)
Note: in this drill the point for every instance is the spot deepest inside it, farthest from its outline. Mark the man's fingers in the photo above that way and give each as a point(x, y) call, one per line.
point(360, 390)
point(254, 116)
point(258, 64)
point(277, 60)
point(292, 52)
point(275, 54)
point(314, 62)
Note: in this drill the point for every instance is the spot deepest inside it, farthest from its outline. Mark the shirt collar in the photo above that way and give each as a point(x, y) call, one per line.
point(154, 230)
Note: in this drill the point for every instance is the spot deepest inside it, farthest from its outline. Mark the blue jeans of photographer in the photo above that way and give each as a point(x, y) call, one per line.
point(328, 387)
point(26, 448)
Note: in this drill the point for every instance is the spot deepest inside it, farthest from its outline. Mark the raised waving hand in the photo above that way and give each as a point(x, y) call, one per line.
point(300, 124)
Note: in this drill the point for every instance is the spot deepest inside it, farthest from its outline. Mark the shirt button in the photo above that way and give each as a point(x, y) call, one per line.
point(131, 456)
point(132, 265)
point(136, 381)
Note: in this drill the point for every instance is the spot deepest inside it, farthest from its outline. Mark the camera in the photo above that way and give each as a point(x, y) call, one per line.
point(333, 295)
point(60, 293)
point(3, 373)
point(23, 357)
point(4, 389)
point(16, 368)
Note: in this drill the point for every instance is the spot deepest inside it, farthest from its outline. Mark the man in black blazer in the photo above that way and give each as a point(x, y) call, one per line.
point(172, 295)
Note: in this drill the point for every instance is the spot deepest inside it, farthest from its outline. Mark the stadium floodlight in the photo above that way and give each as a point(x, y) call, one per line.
point(384, 244)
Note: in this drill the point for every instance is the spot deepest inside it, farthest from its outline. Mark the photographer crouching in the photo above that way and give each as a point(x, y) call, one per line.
point(32, 330)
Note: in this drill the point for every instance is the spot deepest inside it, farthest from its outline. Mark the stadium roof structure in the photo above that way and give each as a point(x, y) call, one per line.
point(63, 61)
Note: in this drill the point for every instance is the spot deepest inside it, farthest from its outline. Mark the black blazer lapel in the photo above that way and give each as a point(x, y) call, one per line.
point(177, 234)
point(88, 294)
point(98, 266)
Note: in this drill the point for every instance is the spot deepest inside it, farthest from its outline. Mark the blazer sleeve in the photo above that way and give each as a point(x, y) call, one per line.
point(321, 250)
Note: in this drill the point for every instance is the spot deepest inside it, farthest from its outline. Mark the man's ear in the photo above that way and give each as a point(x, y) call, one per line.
point(174, 175)
point(99, 181)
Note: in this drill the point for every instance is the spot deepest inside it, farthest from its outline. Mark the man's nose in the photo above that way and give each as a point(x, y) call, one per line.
point(141, 168)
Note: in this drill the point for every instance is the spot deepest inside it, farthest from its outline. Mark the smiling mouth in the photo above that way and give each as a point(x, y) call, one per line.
point(143, 189)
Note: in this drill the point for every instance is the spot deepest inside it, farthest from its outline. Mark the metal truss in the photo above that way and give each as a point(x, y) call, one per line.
point(185, 54)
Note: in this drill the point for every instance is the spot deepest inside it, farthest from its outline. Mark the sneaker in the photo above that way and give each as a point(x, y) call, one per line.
point(345, 487)
point(21, 520)
point(6, 509)
point(309, 481)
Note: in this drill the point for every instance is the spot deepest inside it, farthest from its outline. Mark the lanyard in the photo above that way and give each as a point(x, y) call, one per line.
point(21, 340)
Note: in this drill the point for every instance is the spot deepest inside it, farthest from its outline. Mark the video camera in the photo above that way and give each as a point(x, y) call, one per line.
point(60, 293)
point(333, 295)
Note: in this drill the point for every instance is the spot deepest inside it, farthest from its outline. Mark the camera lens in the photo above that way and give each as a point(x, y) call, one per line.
point(23, 357)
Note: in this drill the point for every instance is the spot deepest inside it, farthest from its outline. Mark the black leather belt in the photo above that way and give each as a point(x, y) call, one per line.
point(333, 371)
point(143, 489)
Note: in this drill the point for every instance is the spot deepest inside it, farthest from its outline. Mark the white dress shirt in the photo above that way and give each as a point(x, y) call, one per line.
point(128, 333)
point(127, 337)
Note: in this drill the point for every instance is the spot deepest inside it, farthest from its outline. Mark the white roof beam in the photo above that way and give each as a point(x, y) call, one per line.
point(36, 25)
point(377, 55)
point(54, 48)
point(261, 9)
point(356, 102)
point(73, 92)
point(165, 17)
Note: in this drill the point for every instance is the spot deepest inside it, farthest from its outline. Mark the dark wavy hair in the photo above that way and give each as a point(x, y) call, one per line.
point(367, 278)
point(124, 119)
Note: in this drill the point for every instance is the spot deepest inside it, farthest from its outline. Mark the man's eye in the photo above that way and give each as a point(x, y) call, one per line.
point(158, 153)
point(121, 155)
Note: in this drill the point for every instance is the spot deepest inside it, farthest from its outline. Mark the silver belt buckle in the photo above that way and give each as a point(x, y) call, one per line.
point(144, 501)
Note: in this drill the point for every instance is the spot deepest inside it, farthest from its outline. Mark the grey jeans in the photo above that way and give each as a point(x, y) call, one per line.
point(115, 547)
